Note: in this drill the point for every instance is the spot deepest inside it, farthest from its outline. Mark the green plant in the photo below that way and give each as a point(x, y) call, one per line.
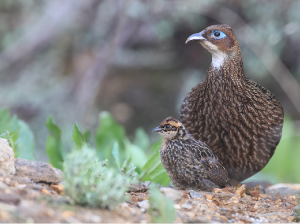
point(18, 134)
point(161, 208)
point(54, 146)
point(112, 144)
point(90, 182)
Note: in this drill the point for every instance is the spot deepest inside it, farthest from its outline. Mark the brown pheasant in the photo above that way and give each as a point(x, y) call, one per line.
point(189, 163)
point(236, 117)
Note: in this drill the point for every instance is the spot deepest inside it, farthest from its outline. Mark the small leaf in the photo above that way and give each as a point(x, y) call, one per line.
point(78, 137)
point(54, 147)
point(154, 171)
point(18, 134)
point(116, 154)
point(11, 142)
point(163, 207)
point(26, 145)
point(141, 139)
point(86, 136)
point(138, 156)
point(109, 132)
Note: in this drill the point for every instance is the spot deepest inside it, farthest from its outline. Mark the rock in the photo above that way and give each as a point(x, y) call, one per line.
point(186, 206)
point(292, 186)
point(139, 187)
point(9, 199)
point(241, 191)
point(144, 204)
point(254, 193)
point(234, 199)
point(7, 155)
point(283, 191)
point(58, 188)
point(262, 184)
point(174, 195)
point(259, 188)
point(194, 194)
point(37, 171)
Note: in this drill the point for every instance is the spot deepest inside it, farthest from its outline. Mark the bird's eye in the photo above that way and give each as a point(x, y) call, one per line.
point(217, 34)
point(167, 127)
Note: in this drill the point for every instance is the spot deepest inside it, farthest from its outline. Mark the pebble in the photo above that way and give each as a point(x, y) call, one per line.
point(291, 218)
point(71, 219)
point(234, 199)
point(144, 204)
point(4, 216)
point(186, 206)
point(194, 194)
point(177, 206)
point(173, 194)
point(58, 188)
point(95, 218)
point(241, 191)
point(283, 191)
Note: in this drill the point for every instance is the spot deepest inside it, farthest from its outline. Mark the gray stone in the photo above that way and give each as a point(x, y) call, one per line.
point(194, 194)
point(37, 171)
point(174, 195)
point(186, 206)
point(144, 204)
point(7, 156)
point(283, 191)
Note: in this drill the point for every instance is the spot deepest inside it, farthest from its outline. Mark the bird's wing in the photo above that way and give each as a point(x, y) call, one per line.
point(205, 162)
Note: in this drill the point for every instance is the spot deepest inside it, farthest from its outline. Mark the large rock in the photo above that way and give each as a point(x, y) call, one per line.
point(7, 156)
point(37, 171)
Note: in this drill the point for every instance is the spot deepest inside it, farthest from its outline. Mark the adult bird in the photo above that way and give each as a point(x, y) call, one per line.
point(190, 163)
point(237, 118)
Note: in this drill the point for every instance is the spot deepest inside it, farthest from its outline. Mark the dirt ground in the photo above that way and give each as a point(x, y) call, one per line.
point(41, 202)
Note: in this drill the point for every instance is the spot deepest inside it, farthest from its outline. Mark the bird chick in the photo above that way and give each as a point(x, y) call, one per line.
point(237, 118)
point(190, 164)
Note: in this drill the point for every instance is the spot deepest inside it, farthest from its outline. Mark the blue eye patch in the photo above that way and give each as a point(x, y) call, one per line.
point(217, 34)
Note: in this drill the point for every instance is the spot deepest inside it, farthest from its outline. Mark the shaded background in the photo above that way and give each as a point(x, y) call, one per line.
point(72, 59)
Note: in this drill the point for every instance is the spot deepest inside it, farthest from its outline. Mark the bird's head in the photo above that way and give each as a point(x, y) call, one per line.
point(171, 128)
point(219, 40)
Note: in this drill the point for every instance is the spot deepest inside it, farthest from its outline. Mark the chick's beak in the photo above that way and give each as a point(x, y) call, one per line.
point(196, 36)
point(157, 129)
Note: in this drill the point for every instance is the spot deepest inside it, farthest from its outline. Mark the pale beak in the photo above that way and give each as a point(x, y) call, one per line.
point(196, 36)
point(157, 129)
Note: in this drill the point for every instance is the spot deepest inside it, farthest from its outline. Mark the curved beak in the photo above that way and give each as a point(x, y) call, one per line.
point(196, 36)
point(157, 129)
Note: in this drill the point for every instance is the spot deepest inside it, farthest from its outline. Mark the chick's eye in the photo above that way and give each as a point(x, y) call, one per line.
point(217, 34)
point(167, 127)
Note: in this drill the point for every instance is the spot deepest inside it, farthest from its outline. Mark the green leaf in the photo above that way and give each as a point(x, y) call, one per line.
point(4, 120)
point(78, 137)
point(141, 139)
point(54, 147)
point(154, 171)
point(11, 142)
point(116, 154)
point(18, 134)
point(138, 156)
point(86, 136)
point(156, 145)
point(26, 146)
point(109, 132)
point(161, 208)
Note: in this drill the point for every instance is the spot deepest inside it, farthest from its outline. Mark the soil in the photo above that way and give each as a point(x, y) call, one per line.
point(42, 202)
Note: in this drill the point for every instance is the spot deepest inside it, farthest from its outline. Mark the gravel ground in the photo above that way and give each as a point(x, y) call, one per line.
point(41, 202)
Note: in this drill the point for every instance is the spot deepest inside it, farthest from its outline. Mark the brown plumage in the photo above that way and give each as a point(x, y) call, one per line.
point(190, 163)
point(236, 117)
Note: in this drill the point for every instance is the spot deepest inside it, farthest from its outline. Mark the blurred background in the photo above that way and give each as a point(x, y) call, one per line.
point(73, 59)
